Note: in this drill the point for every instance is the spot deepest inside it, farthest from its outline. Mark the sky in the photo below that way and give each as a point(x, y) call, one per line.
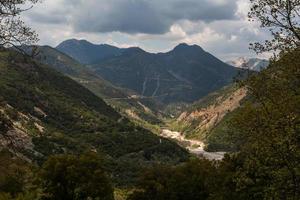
point(221, 27)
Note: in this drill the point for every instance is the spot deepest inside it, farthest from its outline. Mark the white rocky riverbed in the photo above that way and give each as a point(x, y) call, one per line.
point(194, 146)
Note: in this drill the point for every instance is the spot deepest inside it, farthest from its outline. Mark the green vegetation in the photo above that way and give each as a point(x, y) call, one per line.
point(146, 110)
point(70, 177)
point(187, 182)
point(268, 126)
point(220, 139)
point(205, 119)
point(265, 134)
point(184, 74)
point(52, 114)
point(60, 141)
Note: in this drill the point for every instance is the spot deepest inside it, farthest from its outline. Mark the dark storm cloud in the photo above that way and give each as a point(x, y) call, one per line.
point(127, 16)
point(135, 16)
point(149, 16)
point(205, 10)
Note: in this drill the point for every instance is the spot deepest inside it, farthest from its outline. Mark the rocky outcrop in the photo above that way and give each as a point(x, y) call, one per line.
point(17, 130)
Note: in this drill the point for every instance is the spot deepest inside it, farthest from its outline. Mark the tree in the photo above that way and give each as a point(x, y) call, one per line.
point(191, 181)
point(69, 177)
point(282, 18)
point(268, 164)
point(13, 31)
point(14, 174)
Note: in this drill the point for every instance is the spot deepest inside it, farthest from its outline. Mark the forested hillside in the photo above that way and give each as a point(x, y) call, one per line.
point(44, 113)
point(125, 101)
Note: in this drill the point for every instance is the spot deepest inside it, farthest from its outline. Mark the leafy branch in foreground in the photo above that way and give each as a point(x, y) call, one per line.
point(13, 31)
point(282, 18)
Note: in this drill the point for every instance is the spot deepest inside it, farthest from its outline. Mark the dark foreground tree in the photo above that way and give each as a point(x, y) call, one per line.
point(191, 181)
point(282, 18)
point(69, 177)
point(268, 164)
point(13, 31)
point(14, 176)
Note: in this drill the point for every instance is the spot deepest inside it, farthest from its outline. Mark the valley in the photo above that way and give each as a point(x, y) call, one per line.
point(146, 87)
point(148, 81)
point(150, 100)
point(135, 109)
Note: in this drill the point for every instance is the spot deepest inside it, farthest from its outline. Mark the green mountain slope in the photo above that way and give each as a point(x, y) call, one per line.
point(141, 110)
point(184, 74)
point(45, 113)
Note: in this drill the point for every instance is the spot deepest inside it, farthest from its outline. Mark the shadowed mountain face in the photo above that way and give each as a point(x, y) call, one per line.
point(119, 98)
point(184, 74)
point(86, 52)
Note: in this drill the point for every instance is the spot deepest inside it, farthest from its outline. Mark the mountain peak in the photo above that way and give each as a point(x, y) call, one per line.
point(182, 45)
point(73, 42)
point(86, 52)
point(134, 50)
point(186, 47)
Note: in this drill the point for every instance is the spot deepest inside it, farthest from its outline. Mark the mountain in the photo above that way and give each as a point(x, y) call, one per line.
point(184, 74)
point(72, 68)
point(140, 110)
point(254, 64)
point(43, 112)
point(86, 52)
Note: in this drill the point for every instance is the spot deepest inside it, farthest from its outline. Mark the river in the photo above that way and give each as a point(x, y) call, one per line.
point(193, 146)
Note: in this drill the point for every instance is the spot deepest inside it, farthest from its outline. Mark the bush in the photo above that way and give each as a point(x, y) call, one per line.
point(69, 177)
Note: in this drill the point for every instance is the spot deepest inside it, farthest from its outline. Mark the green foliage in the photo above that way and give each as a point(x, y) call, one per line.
point(215, 134)
point(25, 196)
point(268, 125)
point(117, 97)
point(75, 120)
point(5, 123)
point(14, 175)
point(265, 134)
point(189, 181)
point(74, 178)
point(220, 137)
point(281, 18)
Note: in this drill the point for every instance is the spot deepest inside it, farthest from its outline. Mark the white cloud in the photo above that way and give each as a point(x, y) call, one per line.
point(219, 26)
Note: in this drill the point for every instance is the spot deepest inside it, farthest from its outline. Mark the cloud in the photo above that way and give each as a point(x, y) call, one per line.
point(219, 26)
point(132, 16)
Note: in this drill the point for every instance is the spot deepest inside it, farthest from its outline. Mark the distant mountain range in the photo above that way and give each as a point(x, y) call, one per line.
point(254, 64)
point(184, 74)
